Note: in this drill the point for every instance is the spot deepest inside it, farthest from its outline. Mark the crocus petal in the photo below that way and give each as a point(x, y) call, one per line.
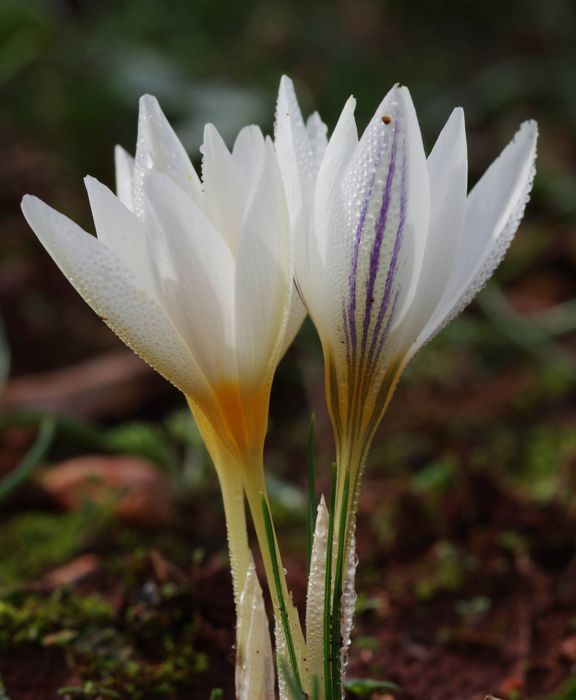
point(158, 148)
point(114, 294)
point(196, 271)
point(124, 167)
point(373, 253)
point(263, 275)
point(121, 232)
point(225, 187)
point(296, 316)
point(494, 210)
point(248, 151)
point(310, 251)
point(417, 204)
point(317, 138)
point(448, 171)
point(296, 152)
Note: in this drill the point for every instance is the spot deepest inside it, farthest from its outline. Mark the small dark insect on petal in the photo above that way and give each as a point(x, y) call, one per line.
point(386, 119)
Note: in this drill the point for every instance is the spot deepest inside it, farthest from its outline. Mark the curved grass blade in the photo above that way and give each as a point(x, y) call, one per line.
point(32, 459)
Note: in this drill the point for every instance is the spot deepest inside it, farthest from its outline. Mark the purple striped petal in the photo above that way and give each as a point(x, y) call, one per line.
point(372, 291)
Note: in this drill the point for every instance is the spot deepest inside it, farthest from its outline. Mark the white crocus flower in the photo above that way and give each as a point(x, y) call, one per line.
point(389, 247)
point(196, 276)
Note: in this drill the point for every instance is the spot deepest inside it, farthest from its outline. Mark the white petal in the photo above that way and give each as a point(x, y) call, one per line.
point(417, 205)
point(311, 249)
point(121, 232)
point(296, 155)
point(111, 290)
point(494, 210)
point(159, 149)
point(447, 170)
point(317, 138)
point(124, 166)
point(254, 659)
point(263, 275)
point(196, 272)
point(248, 150)
point(225, 187)
point(296, 316)
point(328, 202)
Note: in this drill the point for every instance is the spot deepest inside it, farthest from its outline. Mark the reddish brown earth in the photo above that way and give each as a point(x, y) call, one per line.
point(521, 644)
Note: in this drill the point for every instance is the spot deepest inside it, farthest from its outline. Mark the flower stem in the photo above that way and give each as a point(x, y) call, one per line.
point(256, 494)
point(231, 482)
point(232, 489)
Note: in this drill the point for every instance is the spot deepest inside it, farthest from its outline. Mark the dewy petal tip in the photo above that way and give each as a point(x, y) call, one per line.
point(148, 101)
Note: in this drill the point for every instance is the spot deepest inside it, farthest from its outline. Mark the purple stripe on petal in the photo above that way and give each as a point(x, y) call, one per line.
point(380, 229)
point(352, 278)
point(376, 355)
point(393, 268)
point(346, 329)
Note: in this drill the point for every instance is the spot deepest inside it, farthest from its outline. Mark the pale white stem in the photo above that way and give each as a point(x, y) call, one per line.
point(254, 658)
point(315, 598)
point(348, 607)
point(281, 655)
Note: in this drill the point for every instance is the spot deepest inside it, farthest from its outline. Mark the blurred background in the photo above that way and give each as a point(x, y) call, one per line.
point(113, 580)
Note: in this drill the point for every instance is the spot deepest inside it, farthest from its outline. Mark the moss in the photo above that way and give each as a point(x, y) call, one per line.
point(48, 621)
point(35, 541)
point(147, 650)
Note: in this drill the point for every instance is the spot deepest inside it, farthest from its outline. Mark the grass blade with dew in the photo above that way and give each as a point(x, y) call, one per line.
point(295, 673)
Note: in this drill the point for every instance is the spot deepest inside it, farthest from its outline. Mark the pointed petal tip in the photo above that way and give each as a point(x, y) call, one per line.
point(148, 100)
point(212, 136)
point(28, 204)
point(209, 129)
point(458, 113)
point(456, 123)
point(286, 91)
point(208, 136)
point(529, 127)
point(403, 94)
point(32, 205)
point(524, 139)
point(121, 152)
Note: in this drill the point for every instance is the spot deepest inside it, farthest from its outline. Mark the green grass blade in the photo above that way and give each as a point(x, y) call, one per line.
point(295, 673)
